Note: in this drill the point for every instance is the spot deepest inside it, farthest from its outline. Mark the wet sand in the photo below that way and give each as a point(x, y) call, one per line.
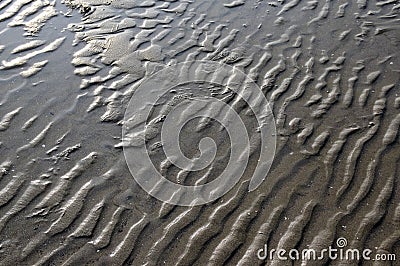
point(330, 70)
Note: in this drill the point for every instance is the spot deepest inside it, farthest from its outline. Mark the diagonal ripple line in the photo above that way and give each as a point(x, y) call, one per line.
point(136, 129)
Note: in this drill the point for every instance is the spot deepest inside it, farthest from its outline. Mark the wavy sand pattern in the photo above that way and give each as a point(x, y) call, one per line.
point(330, 70)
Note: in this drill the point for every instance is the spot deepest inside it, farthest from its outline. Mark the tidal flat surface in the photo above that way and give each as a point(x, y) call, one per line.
point(329, 69)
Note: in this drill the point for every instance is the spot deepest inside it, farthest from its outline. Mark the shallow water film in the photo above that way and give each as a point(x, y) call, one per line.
point(182, 132)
